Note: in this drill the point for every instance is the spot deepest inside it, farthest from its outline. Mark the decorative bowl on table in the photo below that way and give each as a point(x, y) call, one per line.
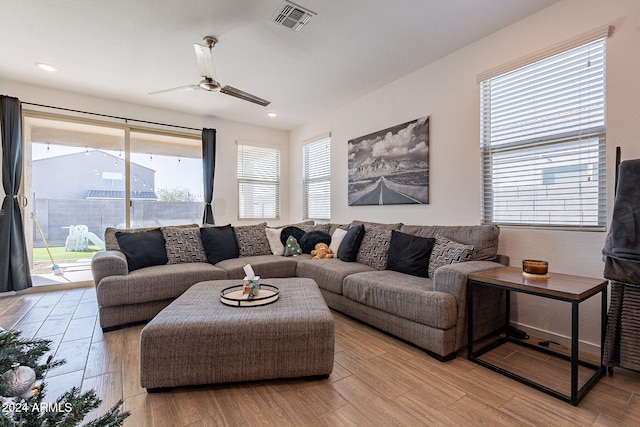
point(535, 268)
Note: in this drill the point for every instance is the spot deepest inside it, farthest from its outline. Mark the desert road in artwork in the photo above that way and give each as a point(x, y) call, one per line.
point(382, 194)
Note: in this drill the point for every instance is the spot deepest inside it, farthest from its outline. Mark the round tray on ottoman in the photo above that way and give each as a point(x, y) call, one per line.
point(234, 297)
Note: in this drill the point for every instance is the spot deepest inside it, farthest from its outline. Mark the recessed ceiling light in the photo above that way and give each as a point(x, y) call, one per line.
point(272, 114)
point(46, 67)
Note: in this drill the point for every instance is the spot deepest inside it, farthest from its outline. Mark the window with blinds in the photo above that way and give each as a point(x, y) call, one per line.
point(543, 141)
point(258, 182)
point(316, 159)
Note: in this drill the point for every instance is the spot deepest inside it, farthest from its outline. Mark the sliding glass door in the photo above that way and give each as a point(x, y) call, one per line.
point(74, 184)
point(82, 177)
point(166, 180)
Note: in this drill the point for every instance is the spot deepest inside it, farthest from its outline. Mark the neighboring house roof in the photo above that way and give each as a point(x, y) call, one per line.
point(82, 156)
point(119, 194)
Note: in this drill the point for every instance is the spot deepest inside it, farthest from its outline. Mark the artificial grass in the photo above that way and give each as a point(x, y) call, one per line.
point(58, 253)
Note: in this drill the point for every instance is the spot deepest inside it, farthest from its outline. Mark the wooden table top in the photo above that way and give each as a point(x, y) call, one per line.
point(560, 286)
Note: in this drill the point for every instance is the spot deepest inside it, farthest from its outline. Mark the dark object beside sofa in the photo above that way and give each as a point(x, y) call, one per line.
point(429, 312)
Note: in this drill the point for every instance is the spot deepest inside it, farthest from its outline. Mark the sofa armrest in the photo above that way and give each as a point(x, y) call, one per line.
point(488, 302)
point(108, 263)
point(502, 259)
point(452, 278)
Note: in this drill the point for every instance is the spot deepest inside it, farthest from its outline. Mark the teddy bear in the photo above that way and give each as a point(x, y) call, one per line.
point(322, 251)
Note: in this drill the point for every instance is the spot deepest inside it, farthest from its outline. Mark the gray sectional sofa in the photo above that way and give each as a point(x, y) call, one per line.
point(429, 312)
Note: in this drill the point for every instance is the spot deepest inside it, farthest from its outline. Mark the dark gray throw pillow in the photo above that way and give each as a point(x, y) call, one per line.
point(291, 231)
point(348, 250)
point(219, 243)
point(143, 249)
point(310, 239)
point(409, 254)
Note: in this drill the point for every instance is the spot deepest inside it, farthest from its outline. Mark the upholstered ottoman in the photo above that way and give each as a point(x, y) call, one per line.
point(199, 340)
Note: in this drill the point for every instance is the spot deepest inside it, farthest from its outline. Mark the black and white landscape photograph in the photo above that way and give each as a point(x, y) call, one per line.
point(391, 166)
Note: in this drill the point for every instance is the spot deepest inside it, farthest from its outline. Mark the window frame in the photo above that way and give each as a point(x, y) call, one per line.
point(589, 139)
point(323, 178)
point(255, 179)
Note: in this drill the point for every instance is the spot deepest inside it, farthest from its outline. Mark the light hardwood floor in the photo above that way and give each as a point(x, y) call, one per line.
point(377, 380)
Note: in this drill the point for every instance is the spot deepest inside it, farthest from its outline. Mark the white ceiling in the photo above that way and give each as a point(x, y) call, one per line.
point(124, 49)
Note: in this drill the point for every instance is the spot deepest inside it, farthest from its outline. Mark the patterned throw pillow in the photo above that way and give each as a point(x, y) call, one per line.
point(446, 252)
point(292, 248)
point(183, 245)
point(375, 247)
point(252, 240)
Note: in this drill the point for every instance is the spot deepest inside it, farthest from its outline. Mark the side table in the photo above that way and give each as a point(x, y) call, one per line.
point(563, 287)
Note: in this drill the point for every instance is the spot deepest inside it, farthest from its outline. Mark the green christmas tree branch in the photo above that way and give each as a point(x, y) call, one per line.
point(68, 410)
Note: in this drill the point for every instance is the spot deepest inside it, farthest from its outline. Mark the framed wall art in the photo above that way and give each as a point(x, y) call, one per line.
point(391, 166)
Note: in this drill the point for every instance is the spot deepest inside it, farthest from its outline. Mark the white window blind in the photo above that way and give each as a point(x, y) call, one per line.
point(543, 141)
point(258, 182)
point(316, 158)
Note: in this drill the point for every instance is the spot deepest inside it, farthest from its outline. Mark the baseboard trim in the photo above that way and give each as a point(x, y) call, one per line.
point(585, 346)
point(56, 287)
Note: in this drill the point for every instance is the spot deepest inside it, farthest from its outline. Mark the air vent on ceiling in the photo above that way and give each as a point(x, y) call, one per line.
point(292, 16)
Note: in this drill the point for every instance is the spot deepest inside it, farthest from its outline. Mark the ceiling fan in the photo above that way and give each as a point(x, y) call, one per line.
point(207, 72)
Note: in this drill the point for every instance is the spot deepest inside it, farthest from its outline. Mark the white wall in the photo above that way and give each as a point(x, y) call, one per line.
point(447, 92)
point(228, 133)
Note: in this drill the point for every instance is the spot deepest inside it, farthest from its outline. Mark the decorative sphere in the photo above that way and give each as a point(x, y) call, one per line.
point(19, 380)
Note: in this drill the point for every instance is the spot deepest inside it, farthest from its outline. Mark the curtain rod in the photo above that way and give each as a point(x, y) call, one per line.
point(126, 120)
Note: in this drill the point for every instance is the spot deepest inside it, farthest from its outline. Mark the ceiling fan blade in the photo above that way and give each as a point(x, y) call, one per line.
point(175, 89)
point(205, 60)
point(229, 90)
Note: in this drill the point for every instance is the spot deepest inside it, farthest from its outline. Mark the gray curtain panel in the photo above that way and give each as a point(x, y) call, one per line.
point(14, 262)
point(208, 171)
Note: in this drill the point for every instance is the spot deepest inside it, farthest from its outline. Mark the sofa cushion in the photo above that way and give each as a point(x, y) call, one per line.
point(334, 227)
point(302, 224)
point(348, 250)
point(219, 243)
point(143, 249)
point(409, 297)
point(369, 224)
point(310, 239)
point(157, 283)
point(446, 251)
point(183, 245)
point(484, 238)
point(316, 227)
point(329, 272)
point(409, 254)
point(374, 247)
point(265, 266)
point(252, 240)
